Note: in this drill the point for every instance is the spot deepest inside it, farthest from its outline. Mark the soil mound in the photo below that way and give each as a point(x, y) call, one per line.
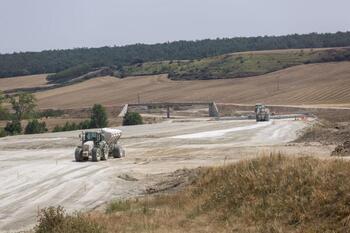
point(342, 150)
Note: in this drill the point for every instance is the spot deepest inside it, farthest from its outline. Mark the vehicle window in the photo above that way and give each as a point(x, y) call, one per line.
point(90, 136)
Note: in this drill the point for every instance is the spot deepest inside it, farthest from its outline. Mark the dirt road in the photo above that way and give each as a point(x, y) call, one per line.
point(37, 171)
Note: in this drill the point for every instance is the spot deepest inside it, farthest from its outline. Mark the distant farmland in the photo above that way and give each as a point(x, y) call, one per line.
point(312, 84)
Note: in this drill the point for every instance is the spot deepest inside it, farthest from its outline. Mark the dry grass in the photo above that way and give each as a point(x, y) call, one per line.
point(326, 83)
point(23, 82)
point(268, 194)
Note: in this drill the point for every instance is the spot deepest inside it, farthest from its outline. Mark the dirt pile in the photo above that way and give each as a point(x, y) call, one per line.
point(174, 182)
point(326, 133)
point(342, 150)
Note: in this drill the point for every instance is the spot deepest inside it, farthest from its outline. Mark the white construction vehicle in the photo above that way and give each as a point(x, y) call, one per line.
point(99, 145)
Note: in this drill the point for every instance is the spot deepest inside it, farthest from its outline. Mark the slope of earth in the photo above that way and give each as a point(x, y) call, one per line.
point(31, 81)
point(38, 170)
point(313, 84)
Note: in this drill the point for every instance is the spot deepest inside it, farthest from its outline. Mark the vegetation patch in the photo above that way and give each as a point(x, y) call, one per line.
point(268, 194)
point(237, 65)
point(35, 127)
point(56, 220)
point(132, 118)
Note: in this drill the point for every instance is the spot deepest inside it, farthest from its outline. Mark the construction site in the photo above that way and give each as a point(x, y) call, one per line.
point(194, 131)
point(40, 170)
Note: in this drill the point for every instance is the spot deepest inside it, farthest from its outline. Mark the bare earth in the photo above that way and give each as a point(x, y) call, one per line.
point(327, 84)
point(23, 82)
point(38, 170)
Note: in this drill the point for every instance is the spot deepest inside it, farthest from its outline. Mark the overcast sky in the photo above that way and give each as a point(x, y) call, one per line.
point(34, 25)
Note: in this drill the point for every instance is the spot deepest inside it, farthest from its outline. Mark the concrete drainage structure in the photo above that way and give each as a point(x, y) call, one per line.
point(212, 108)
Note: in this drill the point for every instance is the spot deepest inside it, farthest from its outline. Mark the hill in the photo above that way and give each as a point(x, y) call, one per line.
point(238, 65)
point(311, 84)
point(30, 81)
point(53, 61)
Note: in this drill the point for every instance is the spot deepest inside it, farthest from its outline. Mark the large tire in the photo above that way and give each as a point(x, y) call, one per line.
point(96, 154)
point(118, 152)
point(105, 153)
point(78, 154)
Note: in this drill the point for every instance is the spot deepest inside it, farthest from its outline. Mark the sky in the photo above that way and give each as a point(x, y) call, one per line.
point(35, 25)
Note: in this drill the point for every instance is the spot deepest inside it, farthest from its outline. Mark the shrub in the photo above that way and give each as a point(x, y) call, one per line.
point(68, 126)
point(13, 127)
point(35, 127)
point(69, 73)
point(99, 117)
point(4, 114)
point(2, 133)
point(132, 118)
point(84, 124)
point(55, 220)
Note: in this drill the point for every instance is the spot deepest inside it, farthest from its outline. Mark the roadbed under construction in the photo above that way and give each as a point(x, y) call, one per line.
point(39, 170)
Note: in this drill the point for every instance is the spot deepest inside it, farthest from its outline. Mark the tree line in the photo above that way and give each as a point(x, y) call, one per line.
point(24, 108)
point(53, 61)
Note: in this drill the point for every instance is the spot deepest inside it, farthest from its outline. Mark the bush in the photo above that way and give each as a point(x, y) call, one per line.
point(99, 117)
point(73, 126)
point(2, 133)
point(13, 127)
point(132, 118)
point(4, 114)
point(84, 124)
point(35, 127)
point(69, 73)
point(68, 126)
point(55, 220)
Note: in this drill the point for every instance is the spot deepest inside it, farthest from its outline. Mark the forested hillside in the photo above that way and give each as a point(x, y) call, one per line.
point(237, 65)
point(53, 61)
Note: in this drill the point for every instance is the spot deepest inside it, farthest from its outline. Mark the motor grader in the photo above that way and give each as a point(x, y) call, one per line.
point(99, 145)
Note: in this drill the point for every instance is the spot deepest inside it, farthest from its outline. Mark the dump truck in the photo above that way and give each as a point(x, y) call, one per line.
point(99, 145)
point(262, 113)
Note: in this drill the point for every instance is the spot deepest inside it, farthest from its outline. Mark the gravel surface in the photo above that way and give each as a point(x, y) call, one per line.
point(38, 170)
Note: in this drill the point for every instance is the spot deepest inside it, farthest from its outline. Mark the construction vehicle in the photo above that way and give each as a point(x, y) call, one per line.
point(262, 113)
point(99, 145)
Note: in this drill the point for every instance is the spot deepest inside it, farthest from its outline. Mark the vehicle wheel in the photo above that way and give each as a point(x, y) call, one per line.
point(96, 154)
point(78, 155)
point(105, 153)
point(123, 153)
point(117, 151)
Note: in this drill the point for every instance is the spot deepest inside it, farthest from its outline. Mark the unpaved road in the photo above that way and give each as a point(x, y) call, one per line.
point(37, 171)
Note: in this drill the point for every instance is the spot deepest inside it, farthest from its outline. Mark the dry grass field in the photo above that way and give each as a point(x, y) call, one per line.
point(23, 82)
point(271, 194)
point(326, 84)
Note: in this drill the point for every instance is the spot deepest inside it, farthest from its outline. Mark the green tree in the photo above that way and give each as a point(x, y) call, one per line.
point(35, 127)
point(132, 118)
point(23, 105)
point(99, 117)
